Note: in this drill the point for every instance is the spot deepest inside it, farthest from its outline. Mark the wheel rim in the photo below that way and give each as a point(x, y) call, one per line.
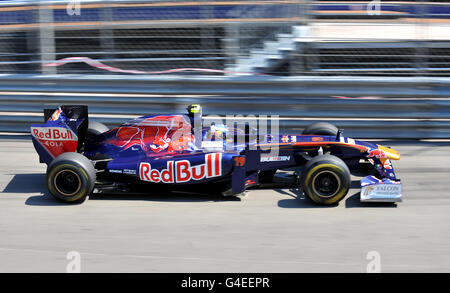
point(67, 182)
point(326, 184)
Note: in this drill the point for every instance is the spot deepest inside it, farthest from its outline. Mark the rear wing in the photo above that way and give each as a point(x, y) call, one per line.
point(64, 131)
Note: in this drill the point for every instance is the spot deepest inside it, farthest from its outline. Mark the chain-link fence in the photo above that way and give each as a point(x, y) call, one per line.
point(280, 37)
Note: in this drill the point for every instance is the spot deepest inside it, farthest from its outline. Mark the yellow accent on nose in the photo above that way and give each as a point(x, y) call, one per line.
point(390, 153)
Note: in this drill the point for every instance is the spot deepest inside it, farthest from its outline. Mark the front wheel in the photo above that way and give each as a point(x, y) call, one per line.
point(71, 177)
point(325, 179)
point(321, 128)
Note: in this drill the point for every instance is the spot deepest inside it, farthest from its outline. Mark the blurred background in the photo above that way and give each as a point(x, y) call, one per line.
point(283, 37)
point(368, 66)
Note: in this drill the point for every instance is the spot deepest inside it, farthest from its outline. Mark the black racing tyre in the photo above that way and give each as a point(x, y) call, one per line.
point(325, 179)
point(71, 177)
point(321, 128)
point(96, 128)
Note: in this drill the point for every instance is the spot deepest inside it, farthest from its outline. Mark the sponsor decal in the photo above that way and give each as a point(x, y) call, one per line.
point(317, 138)
point(285, 138)
point(129, 171)
point(53, 133)
point(275, 159)
point(182, 171)
point(377, 153)
point(115, 171)
point(383, 189)
point(56, 140)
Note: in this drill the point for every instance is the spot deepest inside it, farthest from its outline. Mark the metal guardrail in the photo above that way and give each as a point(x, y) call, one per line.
point(396, 108)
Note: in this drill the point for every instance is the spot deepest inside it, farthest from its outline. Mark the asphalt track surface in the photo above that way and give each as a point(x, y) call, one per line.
point(266, 231)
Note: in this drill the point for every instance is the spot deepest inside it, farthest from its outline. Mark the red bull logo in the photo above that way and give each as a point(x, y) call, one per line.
point(53, 133)
point(182, 171)
point(155, 135)
point(377, 153)
point(56, 140)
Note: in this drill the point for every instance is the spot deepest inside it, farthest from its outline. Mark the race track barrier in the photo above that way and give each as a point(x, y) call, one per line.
point(365, 107)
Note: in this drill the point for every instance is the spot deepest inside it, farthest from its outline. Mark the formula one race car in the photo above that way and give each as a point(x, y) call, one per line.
point(179, 152)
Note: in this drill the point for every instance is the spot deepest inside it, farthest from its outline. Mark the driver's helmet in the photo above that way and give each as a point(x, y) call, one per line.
point(194, 110)
point(218, 131)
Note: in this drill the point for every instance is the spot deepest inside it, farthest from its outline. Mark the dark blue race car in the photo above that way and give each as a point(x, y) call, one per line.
point(179, 152)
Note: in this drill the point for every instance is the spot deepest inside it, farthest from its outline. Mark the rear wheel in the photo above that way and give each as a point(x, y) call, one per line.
point(321, 128)
point(71, 177)
point(95, 128)
point(325, 179)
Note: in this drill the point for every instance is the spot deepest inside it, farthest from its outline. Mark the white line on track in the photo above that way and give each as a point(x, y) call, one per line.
point(237, 260)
